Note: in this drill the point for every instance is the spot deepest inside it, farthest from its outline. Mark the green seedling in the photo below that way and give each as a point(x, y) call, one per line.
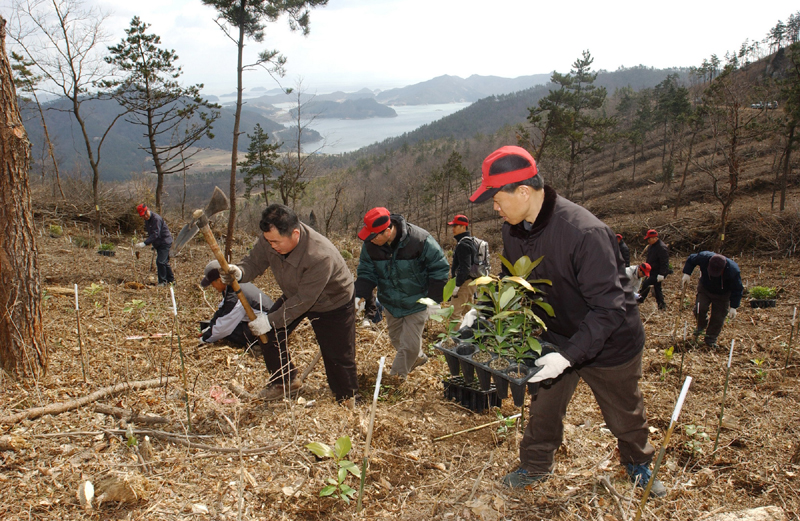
point(82, 242)
point(507, 423)
point(55, 230)
point(132, 441)
point(666, 368)
point(93, 290)
point(507, 302)
point(697, 439)
point(107, 246)
point(337, 487)
point(762, 292)
point(761, 373)
point(133, 305)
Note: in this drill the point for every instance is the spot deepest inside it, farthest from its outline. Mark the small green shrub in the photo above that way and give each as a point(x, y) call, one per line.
point(762, 292)
point(55, 230)
point(336, 486)
point(107, 246)
point(82, 242)
point(346, 255)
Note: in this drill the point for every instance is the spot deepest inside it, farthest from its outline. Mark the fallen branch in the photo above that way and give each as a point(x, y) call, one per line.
point(179, 439)
point(616, 496)
point(12, 443)
point(58, 408)
point(237, 389)
point(129, 416)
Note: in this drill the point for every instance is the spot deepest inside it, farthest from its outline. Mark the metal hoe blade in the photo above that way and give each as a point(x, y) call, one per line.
point(217, 203)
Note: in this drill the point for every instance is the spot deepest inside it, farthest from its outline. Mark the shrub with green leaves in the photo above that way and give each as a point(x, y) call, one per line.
point(337, 487)
point(762, 292)
point(107, 246)
point(82, 242)
point(507, 302)
point(55, 230)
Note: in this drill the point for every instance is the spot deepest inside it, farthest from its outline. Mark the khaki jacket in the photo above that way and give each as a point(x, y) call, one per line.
point(312, 277)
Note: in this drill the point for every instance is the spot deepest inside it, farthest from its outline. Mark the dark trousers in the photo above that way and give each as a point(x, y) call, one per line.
point(162, 264)
point(719, 305)
point(617, 392)
point(336, 335)
point(241, 336)
point(652, 280)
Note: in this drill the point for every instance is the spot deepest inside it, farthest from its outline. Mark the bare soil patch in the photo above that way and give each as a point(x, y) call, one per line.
point(410, 476)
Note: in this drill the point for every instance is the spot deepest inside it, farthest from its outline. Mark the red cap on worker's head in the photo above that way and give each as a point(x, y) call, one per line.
point(460, 220)
point(504, 166)
point(645, 268)
point(619, 237)
point(375, 221)
point(650, 234)
point(142, 209)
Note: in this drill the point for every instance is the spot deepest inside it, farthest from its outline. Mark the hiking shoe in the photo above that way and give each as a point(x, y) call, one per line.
point(276, 391)
point(422, 360)
point(640, 475)
point(662, 306)
point(521, 478)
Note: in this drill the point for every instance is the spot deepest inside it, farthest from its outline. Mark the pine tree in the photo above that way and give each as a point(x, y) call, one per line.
point(260, 163)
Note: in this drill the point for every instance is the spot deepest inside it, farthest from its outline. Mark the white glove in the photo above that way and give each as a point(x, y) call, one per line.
point(685, 279)
point(260, 326)
point(637, 296)
point(360, 304)
point(469, 318)
point(365, 323)
point(660, 278)
point(552, 365)
point(455, 292)
point(732, 313)
point(233, 271)
point(140, 245)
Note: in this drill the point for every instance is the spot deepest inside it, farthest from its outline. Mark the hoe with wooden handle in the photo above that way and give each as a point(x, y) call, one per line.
point(218, 203)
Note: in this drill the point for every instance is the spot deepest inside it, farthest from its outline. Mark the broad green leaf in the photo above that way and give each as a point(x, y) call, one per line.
point(522, 267)
point(342, 447)
point(535, 345)
point(522, 282)
point(327, 490)
point(342, 475)
point(350, 467)
point(546, 307)
point(448, 289)
point(507, 264)
point(536, 262)
point(481, 281)
point(320, 449)
point(542, 281)
point(347, 490)
point(506, 297)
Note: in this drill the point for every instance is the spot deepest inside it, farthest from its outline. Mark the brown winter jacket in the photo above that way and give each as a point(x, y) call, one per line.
point(312, 277)
point(596, 319)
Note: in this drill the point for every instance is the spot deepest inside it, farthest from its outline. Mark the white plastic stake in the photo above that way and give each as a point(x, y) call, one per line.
point(76, 298)
point(369, 432)
point(730, 355)
point(174, 306)
point(681, 398)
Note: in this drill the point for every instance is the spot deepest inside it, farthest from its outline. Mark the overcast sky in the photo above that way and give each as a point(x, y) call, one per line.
point(382, 44)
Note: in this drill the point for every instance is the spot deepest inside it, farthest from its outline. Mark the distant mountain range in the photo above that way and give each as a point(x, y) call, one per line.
point(496, 102)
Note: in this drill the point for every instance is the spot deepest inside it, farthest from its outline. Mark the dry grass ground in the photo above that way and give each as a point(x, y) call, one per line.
point(411, 476)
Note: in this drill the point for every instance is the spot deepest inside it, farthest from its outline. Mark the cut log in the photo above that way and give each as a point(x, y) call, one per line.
point(12, 443)
point(58, 408)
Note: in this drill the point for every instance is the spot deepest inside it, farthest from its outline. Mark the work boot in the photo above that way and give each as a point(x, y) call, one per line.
point(276, 391)
point(521, 478)
point(662, 306)
point(640, 475)
point(710, 341)
point(422, 360)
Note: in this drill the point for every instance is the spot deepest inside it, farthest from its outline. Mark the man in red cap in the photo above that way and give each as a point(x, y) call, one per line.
point(406, 264)
point(637, 274)
point(719, 289)
point(596, 326)
point(159, 237)
point(470, 259)
point(658, 259)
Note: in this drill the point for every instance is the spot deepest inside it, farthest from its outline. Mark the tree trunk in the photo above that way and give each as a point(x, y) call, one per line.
point(235, 149)
point(787, 168)
point(22, 348)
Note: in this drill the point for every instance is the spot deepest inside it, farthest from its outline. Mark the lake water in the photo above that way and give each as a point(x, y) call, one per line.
point(347, 135)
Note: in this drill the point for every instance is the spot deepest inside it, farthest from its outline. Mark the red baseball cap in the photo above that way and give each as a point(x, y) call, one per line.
point(495, 174)
point(142, 209)
point(645, 268)
point(375, 221)
point(650, 233)
point(619, 237)
point(460, 220)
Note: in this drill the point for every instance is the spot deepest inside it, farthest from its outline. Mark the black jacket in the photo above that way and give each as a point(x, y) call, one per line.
point(463, 257)
point(596, 320)
point(157, 231)
point(626, 253)
point(729, 282)
point(658, 259)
